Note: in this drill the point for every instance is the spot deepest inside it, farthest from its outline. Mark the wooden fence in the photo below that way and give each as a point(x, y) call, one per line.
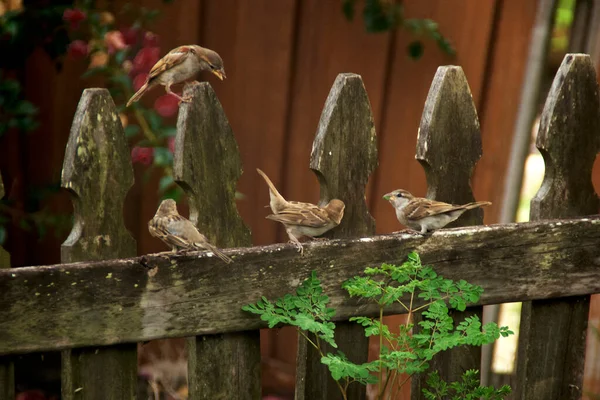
point(102, 300)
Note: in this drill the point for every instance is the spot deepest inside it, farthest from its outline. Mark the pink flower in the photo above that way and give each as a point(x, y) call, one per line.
point(114, 41)
point(139, 81)
point(130, 35)
point(166, 105)
point(145, 59)
point(171, 144)
point(31, 395)
point(74, 17)
point(142, 155)
point(78, 49)
point(150, 39)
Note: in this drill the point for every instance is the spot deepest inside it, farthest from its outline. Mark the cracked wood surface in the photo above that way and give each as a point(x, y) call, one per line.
point(115, 301)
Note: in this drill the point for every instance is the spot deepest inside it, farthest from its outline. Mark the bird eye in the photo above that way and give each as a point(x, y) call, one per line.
point(192, 51)
point(399, 195)
point(212, 66)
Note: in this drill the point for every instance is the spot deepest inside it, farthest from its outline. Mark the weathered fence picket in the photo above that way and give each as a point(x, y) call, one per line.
point(97, 172)
point(344, 154)
point(448, 147)
point(7, 367)
point(98, 304)
point(207, 166)
point(553, 331)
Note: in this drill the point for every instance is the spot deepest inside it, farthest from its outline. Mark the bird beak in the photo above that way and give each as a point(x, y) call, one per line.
point(387, 196)
point(220, 73)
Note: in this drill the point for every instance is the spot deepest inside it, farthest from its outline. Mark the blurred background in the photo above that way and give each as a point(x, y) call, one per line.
point(281, 58)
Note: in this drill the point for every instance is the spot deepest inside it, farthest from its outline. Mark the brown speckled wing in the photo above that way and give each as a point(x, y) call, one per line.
point(173, 58)
point(311, 216)
point(168, 229)
point(419, 209)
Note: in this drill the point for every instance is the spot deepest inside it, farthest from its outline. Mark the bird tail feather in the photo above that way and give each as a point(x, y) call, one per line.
point(272, 187)
point(476, 204)
point(217, 252)
point(138, 94)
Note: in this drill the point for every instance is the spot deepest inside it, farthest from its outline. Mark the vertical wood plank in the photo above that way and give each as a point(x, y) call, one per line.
point(97, 173)
point(344, 155)
point(7, 367)
point(448, 147)
point(552, 336)
point(207, 166)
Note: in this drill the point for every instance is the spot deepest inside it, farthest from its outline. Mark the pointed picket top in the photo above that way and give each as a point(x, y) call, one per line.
point(449, 141)
point(344, 153)
point(207, 166)
point(97, 172)
point(4, 255)
point(569, 140)
point(448, 147)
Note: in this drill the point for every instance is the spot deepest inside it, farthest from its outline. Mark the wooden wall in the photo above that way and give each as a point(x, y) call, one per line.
point(281, 58)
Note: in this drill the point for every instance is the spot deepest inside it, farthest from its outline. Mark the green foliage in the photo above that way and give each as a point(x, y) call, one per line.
point(306, 310)
point(467, 389)
point(417, 288)
point(385, 15)
point(15, 112)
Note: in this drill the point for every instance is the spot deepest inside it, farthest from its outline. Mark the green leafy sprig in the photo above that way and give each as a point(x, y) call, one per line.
point(416, 288)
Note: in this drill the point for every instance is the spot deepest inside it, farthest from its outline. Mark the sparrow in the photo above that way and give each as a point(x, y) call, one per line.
point(178, 232)
point(302, 219)
point(181, 64)
point(425, 215)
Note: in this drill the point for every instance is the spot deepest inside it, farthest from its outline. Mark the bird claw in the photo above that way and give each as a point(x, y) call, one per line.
point(185, 99)
point(299, 246)
point(408, 230)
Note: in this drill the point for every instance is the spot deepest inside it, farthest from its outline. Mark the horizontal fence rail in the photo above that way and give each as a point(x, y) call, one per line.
point(114, 301)
point(101, 301)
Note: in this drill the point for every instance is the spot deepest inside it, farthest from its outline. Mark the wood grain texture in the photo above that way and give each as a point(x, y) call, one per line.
point(207, 166)
point(7, 368)
point(552, 337)
point(448, 148)
point(97, 172)
point(343, 157)
point(114, 301)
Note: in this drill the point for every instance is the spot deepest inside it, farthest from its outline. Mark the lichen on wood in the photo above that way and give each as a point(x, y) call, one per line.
point(97, 172)
point(115, 301)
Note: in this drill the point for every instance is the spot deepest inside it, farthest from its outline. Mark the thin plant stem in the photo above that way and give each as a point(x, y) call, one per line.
point(395, 375)
point(317, 345)
point(380, 344)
